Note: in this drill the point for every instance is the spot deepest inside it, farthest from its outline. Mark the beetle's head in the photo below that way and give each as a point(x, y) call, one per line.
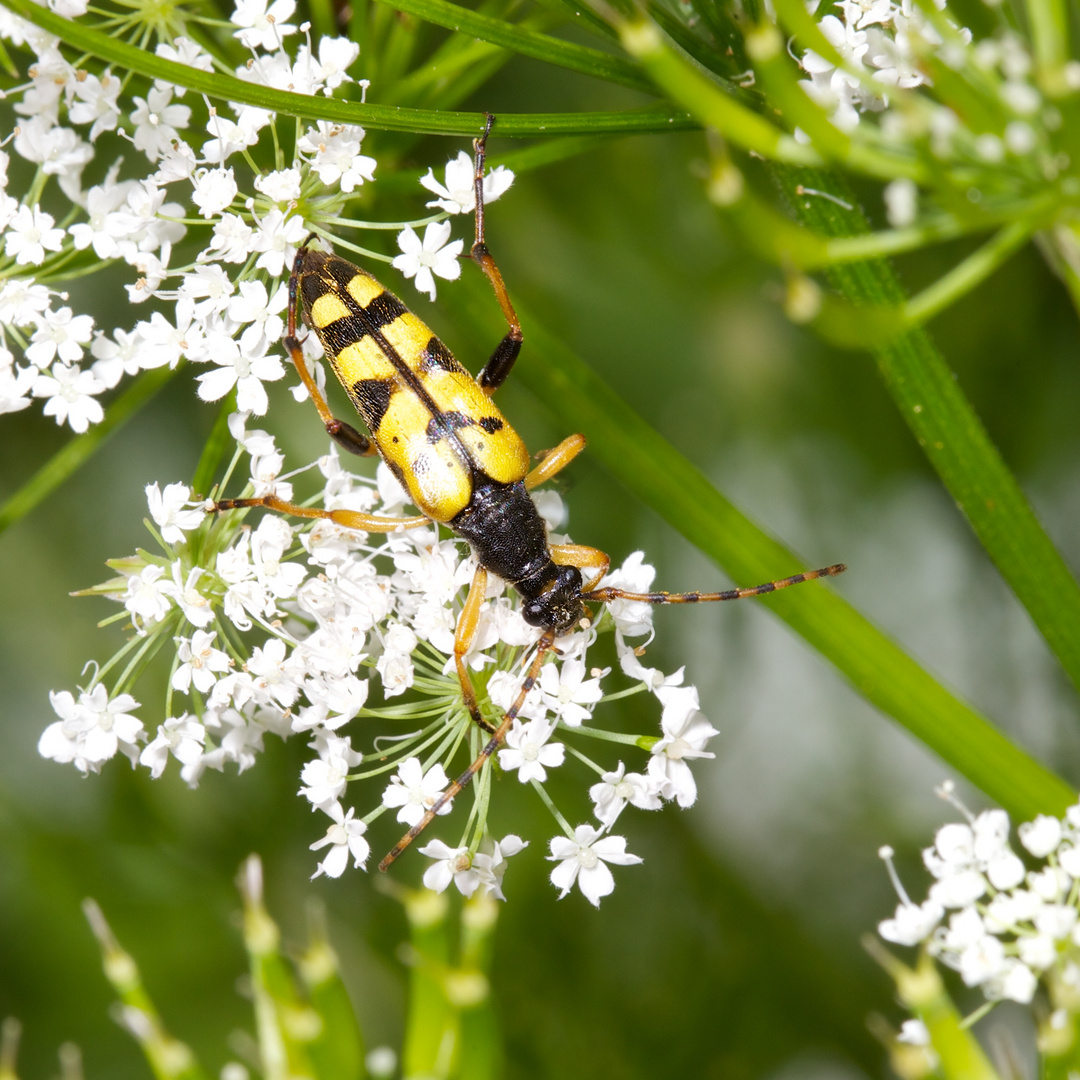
point(557, 605)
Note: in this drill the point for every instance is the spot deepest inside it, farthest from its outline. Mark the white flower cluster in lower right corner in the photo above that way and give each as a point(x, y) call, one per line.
point(1004, 924)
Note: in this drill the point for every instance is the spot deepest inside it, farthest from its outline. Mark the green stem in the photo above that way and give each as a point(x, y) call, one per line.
point(71, 457)
point(528, 42)
point(963, 277)
point(706, 101)
point(381, 117)
point(948, 429)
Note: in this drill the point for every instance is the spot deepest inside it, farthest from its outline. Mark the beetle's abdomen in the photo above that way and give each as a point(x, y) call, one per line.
point(433, 425)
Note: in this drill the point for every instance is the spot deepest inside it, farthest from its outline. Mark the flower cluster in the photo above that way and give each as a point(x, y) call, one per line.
point(887, 49)
point(1008, 926)
point(188, 181)
point(318, 631)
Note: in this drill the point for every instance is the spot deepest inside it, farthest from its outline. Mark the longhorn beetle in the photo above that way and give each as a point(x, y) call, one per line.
point(462, 464)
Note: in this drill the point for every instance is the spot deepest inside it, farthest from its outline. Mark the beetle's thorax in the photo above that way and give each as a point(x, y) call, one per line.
point(508, 538)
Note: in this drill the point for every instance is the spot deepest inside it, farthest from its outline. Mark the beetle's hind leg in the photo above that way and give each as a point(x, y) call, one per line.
point(542, 649)
point(506, 352)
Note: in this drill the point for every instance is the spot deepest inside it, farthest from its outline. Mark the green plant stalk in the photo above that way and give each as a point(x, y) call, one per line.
point(431, 1024)
point(655, 472)
point(283, 1049)
point(1050, 32)
point(526, 42)
point(73, 455)
point(743, 127)
point(710, 104)
point(922, 991)
point(969, 273)
point(169, 1059)
point(337, 1051)
point(952, 436)
point(381, 117)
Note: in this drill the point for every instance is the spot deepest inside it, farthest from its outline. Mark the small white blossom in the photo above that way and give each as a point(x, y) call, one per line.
point(528, 750)
point(167, 510)
point(420, 260)
point(345, 837)
point(415, 791)
point(584, 859)
point(458, 194)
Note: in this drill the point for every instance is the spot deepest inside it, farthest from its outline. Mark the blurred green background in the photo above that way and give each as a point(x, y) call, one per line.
point(734, 950)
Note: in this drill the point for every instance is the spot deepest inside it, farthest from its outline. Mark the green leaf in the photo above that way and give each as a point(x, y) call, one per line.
point(381, 117)
point(527, 42)
point(651, 469)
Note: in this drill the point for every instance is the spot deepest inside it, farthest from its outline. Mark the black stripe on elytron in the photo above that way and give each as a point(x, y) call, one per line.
point(436, 356)
point(382, 311)
point(372, 399)
point(456, 420)
point(336, 268)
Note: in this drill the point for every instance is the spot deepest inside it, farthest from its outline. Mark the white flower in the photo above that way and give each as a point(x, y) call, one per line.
point(685, 733)
point(450, 865)
point(91, 731)
point(567, 692)
point(528, 750)
point(914, 1032)
point(263, 27)
point(335, 155)
point(433, 256)
point(214, 190)
point(584, 859)
point(70, 393)
point(632, 617)
point(181, 736)
point(345, 837)
point(199, 661)
point(243, 371)
point(325, 779)
point(458, 195)
point(618, 788)
point(1041, 836)
point(912, 923)
point(30, 234)
point(490, 865)
point(62, 336)
point(415, 791)
point(148, 596)
point(167, 510)
point(157, 121)
point(282, 186)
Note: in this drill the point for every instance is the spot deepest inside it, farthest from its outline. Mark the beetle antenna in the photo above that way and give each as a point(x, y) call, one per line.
point(609, 593)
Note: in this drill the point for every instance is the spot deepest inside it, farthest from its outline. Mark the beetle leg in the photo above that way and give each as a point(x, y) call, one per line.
point(584, 558)
point(345, 435)
point(555, 461)
point(350, 519)
point(464, 636)
point(542, 649)
point(506, 352)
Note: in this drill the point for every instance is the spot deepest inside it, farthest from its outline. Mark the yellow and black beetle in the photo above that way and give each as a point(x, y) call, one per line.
point(462, 464)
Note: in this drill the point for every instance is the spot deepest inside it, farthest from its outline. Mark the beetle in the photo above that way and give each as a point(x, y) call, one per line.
point(463, 465)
